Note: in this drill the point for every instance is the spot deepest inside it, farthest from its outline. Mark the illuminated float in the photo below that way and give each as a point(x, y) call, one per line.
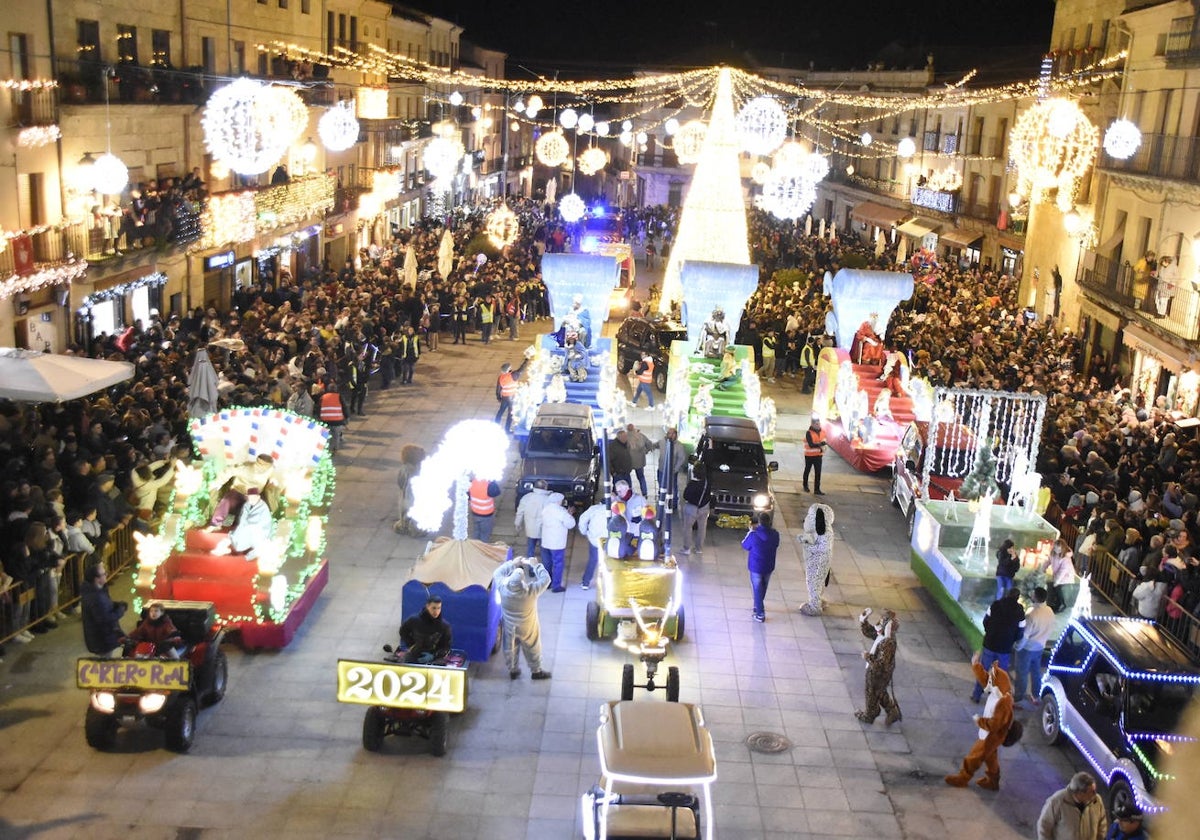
point(262, 576)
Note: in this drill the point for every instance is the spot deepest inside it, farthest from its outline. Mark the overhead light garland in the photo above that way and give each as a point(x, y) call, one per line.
point(114, 292)
point(46, 275)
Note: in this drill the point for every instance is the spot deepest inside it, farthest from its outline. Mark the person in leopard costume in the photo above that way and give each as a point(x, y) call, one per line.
point(881, 661)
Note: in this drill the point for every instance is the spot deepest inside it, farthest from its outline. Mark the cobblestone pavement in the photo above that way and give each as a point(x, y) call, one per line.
point(281, 758)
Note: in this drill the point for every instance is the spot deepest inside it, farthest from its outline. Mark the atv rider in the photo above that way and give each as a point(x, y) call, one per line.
point(426, 635)
point(156, 628)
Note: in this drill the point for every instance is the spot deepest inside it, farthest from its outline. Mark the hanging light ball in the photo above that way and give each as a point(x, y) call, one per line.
point(1072, 222)
point(456, 99)
point(760, 172)
point(239, 128)
point(514, 126)
point(552, 149)
point(286, 112)
point(441, 156)
point(787, 197)
point(850, 169)
point(626, 138)
point(627, 125)
point(689, 140)
point(502, 226)
point(571, 208)
point(671, 126)
point(1122, 139)
point(476, 112)
point(906, 148)
point(338, 128)
point(761, 125)
point(1052, 145)
point(866, 139)
point(535, 105)
point(642, 138)
point(602, 128)
point(815, 167)
point(308, 152)
point(519, 105)
point(789, 158)
point(586, 122)
point(569, 118)
point(592, 161)
point(109, 174)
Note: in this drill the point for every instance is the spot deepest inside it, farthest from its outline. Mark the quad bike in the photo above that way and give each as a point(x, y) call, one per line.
point(405, 698)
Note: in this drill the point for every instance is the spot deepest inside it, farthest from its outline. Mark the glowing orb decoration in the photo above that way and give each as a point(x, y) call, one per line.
point(109, 175)
point(338, 128)
point(239, 130)
point(689, 140)
point(370, 205)
point(372, 103)
point(534, 105)
point(642, 137)
point(569, 118)
point(626, 138)
point(456, 99)
point(788, 197)
point(592, 161)
point(761, 125)
point(476, 112)
point(865, 138)
point(1072, 222)
point(285, 110)
point(789, 158)
point(442, 155)
point(552, 149)
point(586, 122)
point(760, 172)
point(627, 125)
point(571, 208)
point(850, 169)
point(502, 227)
point(671, 126)
point(602, 128)
point(1052, 145)
point(814, 167)
point(1122, 139)
point(906, 148)
point(308, 152)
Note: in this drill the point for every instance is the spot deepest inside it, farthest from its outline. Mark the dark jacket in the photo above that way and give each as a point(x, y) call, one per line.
point(1003, 625)
point(761, 544)
point(101, 618)
point(620, 461)
point(698, 492)
point(422, 633)
point(1007, 563)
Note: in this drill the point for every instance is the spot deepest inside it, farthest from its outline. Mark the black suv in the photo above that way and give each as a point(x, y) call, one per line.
point(648, 335)
point(562, 450)
point(1117, 687)
point(738, 473)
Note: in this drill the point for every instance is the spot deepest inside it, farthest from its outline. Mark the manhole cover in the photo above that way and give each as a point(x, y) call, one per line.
point(767, 742)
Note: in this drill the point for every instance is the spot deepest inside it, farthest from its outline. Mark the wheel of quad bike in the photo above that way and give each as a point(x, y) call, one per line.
point(220, 679)
point(680, 624)
point(593, 621)
point(624, 365)
point(438, 726)
point(181, 725)
point(99, 729)
point(373, 726)
point(660, 379)
point(627, 682)
point(673, 684)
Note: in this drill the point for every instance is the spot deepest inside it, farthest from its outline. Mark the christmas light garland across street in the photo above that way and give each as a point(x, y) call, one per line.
point(55, 275)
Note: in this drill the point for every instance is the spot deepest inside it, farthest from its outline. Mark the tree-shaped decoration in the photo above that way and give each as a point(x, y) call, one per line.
point(982, 478)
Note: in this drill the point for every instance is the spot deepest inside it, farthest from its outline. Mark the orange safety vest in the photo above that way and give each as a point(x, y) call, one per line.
point(331, 408)
point(647, 374)
point(813, 441)
point(508, 385)
point(480, 502)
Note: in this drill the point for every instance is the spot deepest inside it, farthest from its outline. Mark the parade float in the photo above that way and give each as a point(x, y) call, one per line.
point(264, 573)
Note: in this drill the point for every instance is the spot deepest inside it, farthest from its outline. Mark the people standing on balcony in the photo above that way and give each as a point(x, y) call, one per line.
point(1164, 290)
point(1143, 274)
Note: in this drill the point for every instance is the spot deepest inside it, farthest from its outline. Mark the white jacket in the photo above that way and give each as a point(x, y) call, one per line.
point(556, 523)
point(529, 512)
point(593, 524)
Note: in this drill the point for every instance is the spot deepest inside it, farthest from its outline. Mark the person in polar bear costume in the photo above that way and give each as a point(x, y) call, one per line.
point(993, 726)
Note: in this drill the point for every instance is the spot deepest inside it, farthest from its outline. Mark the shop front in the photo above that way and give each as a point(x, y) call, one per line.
point(337, 233)
point(122, 301)
point(1098, 329)
point(963, 247)
point(873, 218)
point(1012, 254)
point(218, 279)
point(1159, 368)
point(923, 232)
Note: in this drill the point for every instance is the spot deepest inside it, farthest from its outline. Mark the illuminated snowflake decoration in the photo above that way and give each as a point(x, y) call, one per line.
point(338, 127)
point(788, 197)
point(1122, 139)
point(552, 149)
point(237, 130)
point(592, 161)
point(502, 227)
point(689, 140)
point(442, 155)
point(1052, 146)
point(571, 208)
point(761, 125)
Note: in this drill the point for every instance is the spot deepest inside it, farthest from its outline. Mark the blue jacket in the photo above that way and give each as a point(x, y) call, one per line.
point(761, 544)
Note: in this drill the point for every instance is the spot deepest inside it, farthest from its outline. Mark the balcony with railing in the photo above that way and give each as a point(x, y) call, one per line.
point(34, 107)
point(1161, 156)
point(1116, 283)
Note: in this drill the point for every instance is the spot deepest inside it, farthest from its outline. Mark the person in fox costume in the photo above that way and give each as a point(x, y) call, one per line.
point(993, 726)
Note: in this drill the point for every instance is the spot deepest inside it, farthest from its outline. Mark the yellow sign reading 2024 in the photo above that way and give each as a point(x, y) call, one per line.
point(147, 674)
point(428, 687)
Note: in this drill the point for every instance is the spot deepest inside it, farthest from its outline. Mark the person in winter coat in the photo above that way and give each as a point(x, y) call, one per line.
point(1074, 813)
point(1148, 595)
point(1007, 566)
point(102, 631)
point(158, 629)
point(411, 457)
point(620, 460)
point(697, 501)
point(557, 523)
point(427, 635)
point(817, 542)
point(519, 583)
point(993, 726)
point(761, 543)
point(639, 445)
point(593, 524)
point(1003, 627)
point(881, 663)
point(529, 516)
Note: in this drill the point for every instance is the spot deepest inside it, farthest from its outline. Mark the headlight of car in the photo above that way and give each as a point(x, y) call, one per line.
point(526, 485)
point(761, 501)
point(104, 701)
point(578, 488)
point(152, 703)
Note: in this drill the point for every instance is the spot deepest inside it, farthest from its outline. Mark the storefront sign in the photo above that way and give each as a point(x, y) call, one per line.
point(429, 687)
point(218, 261)
point(150, 674)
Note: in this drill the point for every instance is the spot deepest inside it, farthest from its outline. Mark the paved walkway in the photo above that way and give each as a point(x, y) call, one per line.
point(280, 758)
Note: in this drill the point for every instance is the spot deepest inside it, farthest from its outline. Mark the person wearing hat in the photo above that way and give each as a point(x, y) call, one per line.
point(644, 371)
point(1127, 824)
point(156, 628)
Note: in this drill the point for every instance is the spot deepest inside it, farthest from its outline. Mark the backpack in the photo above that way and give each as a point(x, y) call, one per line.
point(1015, 730)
